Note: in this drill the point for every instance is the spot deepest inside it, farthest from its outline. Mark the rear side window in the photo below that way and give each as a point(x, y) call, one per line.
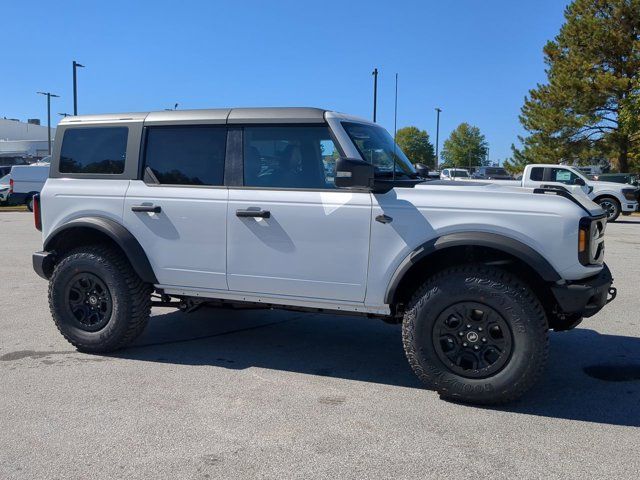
point(94, 150)
point(537, 173)
point(185, 155)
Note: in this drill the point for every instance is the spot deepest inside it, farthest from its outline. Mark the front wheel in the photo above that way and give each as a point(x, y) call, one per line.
point(611, 207)
point(476, 334)
point(29, 204)
point(97, 300)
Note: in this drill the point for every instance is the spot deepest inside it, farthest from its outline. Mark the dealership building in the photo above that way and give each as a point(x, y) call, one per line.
point(27, 140)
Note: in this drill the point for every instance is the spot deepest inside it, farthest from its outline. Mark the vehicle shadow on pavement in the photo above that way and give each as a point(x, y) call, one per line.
point(591, 377)
point(368, 350)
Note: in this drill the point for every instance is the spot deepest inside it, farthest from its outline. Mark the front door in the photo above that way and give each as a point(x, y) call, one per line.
point(178, 212)
point(290, 231)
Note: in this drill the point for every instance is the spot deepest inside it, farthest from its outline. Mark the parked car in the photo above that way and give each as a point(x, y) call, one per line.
point(467, 268)
point(454, 174)
point(630, 178)
point(492, 173)
point(5, 185)
point(424, 172)
point(26, 181)
point(614, 198)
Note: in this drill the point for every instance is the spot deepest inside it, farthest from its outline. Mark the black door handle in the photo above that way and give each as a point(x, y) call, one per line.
point(253, 213)
point(146, 208)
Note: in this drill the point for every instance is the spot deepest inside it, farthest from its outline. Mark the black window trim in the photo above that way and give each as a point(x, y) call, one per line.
point(143, 154)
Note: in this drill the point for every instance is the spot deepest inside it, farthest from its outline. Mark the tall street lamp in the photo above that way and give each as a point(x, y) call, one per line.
point(76, 65)
point(375, 93)
point(438, 110)
point(49, 95)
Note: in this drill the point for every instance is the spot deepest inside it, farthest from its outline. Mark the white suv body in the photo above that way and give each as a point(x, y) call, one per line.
point(297, 208)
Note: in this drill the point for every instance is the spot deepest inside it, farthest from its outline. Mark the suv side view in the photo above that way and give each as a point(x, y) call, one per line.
point(307, 209)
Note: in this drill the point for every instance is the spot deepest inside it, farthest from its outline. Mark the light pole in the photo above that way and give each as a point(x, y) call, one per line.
point(75, 87)
point(49, 95)
point(375, 93)
point(438, 110)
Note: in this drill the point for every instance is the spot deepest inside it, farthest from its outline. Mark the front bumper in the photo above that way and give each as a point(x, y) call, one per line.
point(43, 264)
point(585, 297)
point(629, 207)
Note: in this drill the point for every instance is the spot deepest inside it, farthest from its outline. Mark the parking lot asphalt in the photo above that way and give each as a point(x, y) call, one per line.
point(269, 394)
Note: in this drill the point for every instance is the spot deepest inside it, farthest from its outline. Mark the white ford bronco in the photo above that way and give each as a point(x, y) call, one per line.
point(307, 209)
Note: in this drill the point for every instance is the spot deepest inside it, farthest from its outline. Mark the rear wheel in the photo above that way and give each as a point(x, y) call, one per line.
point(97, 301)
point(611, 207)
point(476, 334)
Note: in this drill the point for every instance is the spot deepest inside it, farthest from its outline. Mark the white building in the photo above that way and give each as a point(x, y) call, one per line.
point(23, 140)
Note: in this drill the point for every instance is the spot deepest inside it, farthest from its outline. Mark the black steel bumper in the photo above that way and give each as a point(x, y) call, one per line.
point(586, 297)
point(43, 264)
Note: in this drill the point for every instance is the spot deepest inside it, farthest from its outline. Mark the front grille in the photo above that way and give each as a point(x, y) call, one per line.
point(596, 246)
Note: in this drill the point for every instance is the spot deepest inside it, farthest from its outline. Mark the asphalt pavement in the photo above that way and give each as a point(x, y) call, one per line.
point(269, 394)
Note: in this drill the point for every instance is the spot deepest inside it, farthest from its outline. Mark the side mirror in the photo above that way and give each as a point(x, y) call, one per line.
point(579, 181)
point(353, 173)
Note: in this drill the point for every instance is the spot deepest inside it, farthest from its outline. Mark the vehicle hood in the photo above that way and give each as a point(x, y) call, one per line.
point(600, 185)
point(503, 197)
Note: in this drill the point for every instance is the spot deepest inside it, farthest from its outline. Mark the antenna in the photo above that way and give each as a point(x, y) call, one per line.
point(395, 129)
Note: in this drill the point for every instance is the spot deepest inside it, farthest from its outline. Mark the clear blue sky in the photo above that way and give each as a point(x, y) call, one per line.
point(474, 59)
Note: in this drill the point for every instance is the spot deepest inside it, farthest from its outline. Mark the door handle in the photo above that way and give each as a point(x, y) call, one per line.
point(253, 213)
point(146, 208)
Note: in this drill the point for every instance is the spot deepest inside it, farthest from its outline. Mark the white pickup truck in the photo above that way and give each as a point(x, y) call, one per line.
point(614, 198)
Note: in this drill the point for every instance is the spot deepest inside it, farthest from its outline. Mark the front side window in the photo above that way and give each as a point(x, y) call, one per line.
point(185, 155)
point(377, 147)
point(562, 175)
point(289, 157)
point(94, 150)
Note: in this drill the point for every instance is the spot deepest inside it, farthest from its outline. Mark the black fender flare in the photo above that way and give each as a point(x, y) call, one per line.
point(116, 232)
point(476, 239)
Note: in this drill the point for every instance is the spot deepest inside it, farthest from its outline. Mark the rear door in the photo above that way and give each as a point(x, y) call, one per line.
point(290, 231)
point(177, 209)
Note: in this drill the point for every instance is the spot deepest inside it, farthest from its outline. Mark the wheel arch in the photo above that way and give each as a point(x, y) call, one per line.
point(602, 195)
point(94, 230)
point(465, 247)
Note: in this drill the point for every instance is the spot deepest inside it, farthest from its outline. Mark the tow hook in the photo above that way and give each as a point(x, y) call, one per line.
point(613, 291)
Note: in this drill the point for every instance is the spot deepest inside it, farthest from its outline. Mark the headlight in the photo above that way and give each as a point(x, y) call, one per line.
point(629, 194)
point(591, 240)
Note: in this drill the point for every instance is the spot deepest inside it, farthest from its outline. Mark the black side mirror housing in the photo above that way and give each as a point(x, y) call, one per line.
point(353, 173)
point(579, 181)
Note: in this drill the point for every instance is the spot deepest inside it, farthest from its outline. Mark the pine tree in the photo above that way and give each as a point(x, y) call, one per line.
point(588, 110)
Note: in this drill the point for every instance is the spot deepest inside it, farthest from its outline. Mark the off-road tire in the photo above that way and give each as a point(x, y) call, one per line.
point(610, 204)
point(130, 299)
point(511, 299)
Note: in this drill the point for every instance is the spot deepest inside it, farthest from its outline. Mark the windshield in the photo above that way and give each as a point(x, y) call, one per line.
point(4, 180)
point(579, 173)
point(460, 173)
point(377, 147)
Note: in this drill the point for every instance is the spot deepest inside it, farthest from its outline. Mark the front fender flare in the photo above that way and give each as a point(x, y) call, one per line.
point(116, 232)
point(477, 239)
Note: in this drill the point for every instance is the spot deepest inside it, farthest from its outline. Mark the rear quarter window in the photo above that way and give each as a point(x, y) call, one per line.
point(94, 150)
point(537, 174)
